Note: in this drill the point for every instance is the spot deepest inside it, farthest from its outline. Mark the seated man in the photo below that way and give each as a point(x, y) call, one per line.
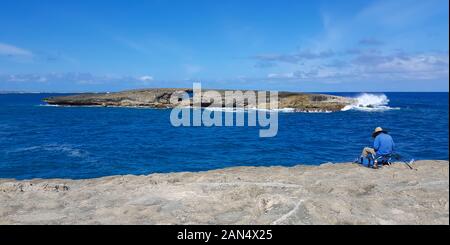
point(382, 146)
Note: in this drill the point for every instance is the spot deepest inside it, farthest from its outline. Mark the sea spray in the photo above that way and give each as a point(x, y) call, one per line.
point(370, 102)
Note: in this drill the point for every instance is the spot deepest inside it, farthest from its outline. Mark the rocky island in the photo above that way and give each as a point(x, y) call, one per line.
point(326, 194)
point(160, 98)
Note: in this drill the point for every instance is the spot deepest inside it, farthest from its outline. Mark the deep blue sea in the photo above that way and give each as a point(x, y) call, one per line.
point(38, 141)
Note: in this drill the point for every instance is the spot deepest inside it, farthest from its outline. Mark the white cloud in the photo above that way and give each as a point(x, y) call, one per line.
point(281, 75)
point(146, 78)
point(365, 67)
point(363, 47)
point(10, 50)
point(413, 67)
point(75, 78)
point(295, 57)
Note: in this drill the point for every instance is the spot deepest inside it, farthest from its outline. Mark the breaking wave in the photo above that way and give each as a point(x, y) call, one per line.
point(244, 110)
point(370, 102)
point(68, 150)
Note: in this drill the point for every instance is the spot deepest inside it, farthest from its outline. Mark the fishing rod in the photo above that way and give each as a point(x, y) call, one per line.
point(398, 157)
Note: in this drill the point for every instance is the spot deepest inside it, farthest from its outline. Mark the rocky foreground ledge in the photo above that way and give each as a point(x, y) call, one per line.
point(160, 98)
point(327, 194)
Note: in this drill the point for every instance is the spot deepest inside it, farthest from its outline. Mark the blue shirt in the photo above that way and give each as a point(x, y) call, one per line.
point(383, 144)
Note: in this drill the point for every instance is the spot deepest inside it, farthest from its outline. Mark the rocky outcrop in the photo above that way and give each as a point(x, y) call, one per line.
point(327, 194)
point(160, 98)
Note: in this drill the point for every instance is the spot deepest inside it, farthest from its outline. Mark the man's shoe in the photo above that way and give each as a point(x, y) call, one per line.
point(375, 165)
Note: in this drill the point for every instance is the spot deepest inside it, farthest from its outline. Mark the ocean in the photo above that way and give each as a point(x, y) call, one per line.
point(40, 141)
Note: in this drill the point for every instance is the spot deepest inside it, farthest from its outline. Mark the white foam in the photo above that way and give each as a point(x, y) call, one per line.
point(370, 102)
point(243, 110)
point(69, 150)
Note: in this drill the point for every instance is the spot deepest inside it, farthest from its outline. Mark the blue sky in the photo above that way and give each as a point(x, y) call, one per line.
point(99, 45)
